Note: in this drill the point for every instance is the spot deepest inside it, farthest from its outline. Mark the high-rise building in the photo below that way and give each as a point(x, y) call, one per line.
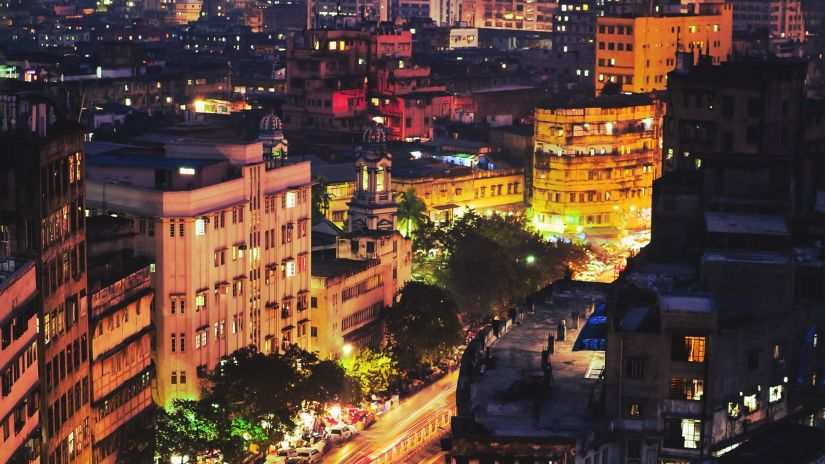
point(594, 165)
point(19, 409)
point(42, 169)
point(122, 303)
point(744, 107)
point(635, 53)
point(226, 230)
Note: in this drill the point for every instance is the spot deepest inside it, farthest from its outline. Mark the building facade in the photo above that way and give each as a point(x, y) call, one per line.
point(523, 15)
point(20, 411)
point(372, 260)
point(227, 232)
point(635, 53)
point(748, 107)
point(594, 165)
point(122, 303)
point(44, 220)
point(782, 19)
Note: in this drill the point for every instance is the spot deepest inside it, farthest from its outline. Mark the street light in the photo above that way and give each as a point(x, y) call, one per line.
point(530, 259)
point(347, 349)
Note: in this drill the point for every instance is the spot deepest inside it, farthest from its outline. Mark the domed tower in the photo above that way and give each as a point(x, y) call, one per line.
point(373, 207)
point(276, 147)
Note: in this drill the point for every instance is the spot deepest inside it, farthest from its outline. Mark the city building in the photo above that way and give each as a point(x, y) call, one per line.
point(594, 164)
point(524, 15)
point(744, 107)
point(714, 329)
point(449, 191)
point(783, 19)
point(226, 230)
point(122, 302)
point(43, 220)
point(20, 406)
point(636, 53)
point(372, 260)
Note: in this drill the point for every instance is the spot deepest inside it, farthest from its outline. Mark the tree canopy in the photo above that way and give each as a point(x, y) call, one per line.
point(250, 398)
point(412, 212)
point(491, 262)
point(423, 326)
point(320, 199)
point(370, 370)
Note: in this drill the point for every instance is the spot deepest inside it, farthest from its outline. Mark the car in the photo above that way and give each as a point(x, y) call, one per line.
point(295, 460)
point(309, 455)
point(340, 432)
point(280, 456)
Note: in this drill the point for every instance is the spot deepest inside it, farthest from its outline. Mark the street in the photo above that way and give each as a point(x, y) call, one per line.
point(397, 423)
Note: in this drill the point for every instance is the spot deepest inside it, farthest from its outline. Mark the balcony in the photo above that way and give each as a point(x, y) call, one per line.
point(682, 408)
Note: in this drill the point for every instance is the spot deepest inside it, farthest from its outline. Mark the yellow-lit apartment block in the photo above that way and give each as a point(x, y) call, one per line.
point(594, 165)
point(638, 52)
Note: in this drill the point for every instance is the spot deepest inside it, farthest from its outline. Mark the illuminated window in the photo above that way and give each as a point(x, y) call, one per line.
point(291, 199)
point(634, 410)
point(186, 171)
point(775, 393)
point(200, 227)
point(751, 404)
point(695, 347)
point(290, 268)
point(365, 182)
point(379, 179)
point(686, 389)
point(333, 45)
point(691, 431)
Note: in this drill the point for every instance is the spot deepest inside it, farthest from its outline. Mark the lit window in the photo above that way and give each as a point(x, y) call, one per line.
point(200, 227)
point(695, 347)
point(379, 180)
point(333, 45)
point(291, 199)
point(290, 268)
point(751, 404)
point(691, 431)
point(186, 171)
point(775, 393)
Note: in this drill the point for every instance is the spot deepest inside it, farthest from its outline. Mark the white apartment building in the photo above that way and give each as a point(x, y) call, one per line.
point(229, 237)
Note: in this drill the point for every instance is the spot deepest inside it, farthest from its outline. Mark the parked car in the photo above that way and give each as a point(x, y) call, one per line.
point(309, 455)
point(280, 456)
point(295, 460)
point(340, 432)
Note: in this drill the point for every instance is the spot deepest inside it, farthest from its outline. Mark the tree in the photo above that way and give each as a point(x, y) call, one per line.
point(250, 398)
point(371, 371)
point(492, 262)
point(412, 212)
point(320, 199)
point(423, 326)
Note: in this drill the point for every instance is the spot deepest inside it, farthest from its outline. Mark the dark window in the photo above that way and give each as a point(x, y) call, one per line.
point(635, 368)
point(753, 359)
point(754, 107)
point(634, 449)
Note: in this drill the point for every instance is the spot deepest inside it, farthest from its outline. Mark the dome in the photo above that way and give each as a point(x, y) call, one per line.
point(270, 123)
point(375, 135)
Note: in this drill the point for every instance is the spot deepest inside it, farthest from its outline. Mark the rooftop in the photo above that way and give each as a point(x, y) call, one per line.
point(512, 400)
point(749, 224)
point(338, 267)
point(747, 256)
point(148, 162)
point(607, 101)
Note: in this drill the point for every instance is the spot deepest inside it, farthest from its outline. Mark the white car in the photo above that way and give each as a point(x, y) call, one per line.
point(309, 455)
point(280, 456)
point(340, 432)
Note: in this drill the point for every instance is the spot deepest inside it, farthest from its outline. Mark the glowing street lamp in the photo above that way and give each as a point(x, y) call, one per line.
point(530, 259)
point(347, 349)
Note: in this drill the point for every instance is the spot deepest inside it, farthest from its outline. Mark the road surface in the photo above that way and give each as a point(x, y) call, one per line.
point(397, 423)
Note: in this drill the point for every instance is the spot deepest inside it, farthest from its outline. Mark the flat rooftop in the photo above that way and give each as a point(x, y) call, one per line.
point(746, 256)
point(747, 224)
point(148, 162)
point(339, 267)
point(512, 400)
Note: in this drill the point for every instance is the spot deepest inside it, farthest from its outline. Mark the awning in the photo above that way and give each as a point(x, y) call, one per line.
point(447, 206)
point(593, 336)
point(287, 328)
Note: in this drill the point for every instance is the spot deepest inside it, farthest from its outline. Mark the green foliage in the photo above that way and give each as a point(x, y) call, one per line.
point(423, 326)
point(370, 370)
point(251, 398)
point(412, 212)
point(492, 262)
point(320, 199)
